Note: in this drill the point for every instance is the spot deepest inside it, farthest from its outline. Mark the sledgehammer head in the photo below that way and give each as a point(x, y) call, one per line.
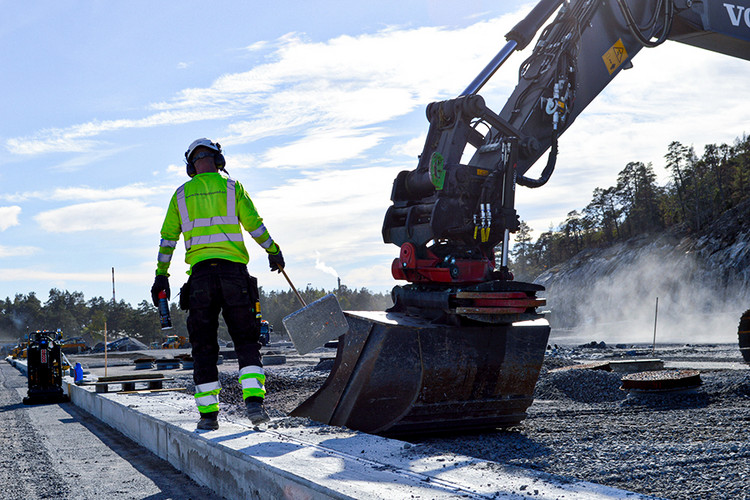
point(315, 324)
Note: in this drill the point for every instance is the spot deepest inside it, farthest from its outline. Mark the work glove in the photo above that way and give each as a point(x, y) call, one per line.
point(161, 282)
point(276, 261)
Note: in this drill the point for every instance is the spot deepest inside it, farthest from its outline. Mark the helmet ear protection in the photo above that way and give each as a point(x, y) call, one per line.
point(219, 160)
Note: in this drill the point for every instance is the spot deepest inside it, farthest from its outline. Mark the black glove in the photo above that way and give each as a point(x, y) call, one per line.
point(276, 261)
point(161, 282)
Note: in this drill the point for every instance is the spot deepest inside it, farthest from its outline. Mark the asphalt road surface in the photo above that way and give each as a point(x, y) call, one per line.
point(60, 451)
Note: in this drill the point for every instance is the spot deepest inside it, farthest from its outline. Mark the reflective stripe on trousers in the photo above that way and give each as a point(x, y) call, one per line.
point(207, 397)
point(253, 380)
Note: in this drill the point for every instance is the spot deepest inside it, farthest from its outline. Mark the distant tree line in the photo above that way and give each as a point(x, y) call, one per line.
point(699, 190)
point(76, 316)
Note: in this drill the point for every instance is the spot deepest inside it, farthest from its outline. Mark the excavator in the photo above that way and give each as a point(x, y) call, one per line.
point(462, 347)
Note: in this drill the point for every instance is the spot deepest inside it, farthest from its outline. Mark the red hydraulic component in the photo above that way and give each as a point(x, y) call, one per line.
point(497, 302)
point(433, 269)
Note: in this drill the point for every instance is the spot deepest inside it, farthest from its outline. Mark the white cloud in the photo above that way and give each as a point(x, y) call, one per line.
point(256, 46)
point(114, 215)
point(6, 251)
point(345, 82)
point(9, 216)
point(412, 148)
point(79, 193)
point(77, 138)
point(329, 218)
point(324, 148)
point(377, 277)
point(137, 190)
point(20, 197)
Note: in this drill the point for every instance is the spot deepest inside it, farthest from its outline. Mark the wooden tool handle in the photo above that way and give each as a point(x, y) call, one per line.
point(291, 285)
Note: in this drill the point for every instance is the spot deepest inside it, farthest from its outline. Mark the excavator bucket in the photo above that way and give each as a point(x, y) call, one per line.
point(402, 375)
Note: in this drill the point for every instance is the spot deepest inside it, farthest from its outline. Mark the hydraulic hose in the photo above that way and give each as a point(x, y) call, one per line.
point(636, 30)
point(524, 31)
point(548, 169)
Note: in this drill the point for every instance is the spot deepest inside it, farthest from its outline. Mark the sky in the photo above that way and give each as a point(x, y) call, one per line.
point(318, 106)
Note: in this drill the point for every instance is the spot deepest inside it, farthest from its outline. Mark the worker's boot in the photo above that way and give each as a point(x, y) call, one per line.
point(208, 422)
point(256, 412)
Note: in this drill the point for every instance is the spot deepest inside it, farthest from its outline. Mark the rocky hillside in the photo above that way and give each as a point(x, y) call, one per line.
point(702, 282)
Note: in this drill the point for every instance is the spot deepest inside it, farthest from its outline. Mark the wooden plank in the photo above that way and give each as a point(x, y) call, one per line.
point(146, 391)
point(143, 380)
point(129, 378)
point(128, 385)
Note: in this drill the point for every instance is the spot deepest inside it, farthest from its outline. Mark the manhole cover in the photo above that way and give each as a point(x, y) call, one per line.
point(661, 381)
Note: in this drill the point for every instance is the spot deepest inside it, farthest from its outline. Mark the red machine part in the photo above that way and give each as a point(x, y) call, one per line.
point(434, 270)
point(497, 302)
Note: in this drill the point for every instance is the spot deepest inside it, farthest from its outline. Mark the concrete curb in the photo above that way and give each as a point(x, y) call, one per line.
point(18, 365)
point(238, 461)
point(230, 473)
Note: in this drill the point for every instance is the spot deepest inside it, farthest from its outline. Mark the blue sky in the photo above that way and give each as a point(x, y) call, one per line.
point(318, 106)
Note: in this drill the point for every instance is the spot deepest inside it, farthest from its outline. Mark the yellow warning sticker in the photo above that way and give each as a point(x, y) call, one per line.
point(615, 56)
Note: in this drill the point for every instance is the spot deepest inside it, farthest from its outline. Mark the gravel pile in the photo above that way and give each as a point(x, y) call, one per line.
point(286, 387)
point(582, 425)
point(678, 445)
point(585, 386)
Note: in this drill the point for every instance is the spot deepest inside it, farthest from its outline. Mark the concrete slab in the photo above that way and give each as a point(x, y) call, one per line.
point(636, 365)
point(241, 461)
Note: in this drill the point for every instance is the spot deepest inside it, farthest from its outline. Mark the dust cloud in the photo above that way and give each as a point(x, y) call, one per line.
point(613, 298)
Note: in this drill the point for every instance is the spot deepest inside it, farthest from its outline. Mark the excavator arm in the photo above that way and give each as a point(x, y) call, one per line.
point(448, 217)
point(589, 43)
point(463, 345)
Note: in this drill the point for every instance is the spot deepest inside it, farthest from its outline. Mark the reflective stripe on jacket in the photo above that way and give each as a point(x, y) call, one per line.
point(210, 212)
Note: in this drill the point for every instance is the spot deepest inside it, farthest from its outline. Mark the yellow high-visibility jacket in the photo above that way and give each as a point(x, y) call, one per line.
point(208, 211)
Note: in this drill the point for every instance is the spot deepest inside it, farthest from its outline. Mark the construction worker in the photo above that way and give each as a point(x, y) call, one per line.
point(210, 211)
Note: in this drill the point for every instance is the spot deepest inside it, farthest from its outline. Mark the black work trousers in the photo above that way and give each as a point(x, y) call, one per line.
point(218, 285)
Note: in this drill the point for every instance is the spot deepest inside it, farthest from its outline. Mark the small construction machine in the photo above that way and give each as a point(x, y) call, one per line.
point(462, 347)
point(74, 345)
point(19, 350)
point(175, 342)
point(44, 359)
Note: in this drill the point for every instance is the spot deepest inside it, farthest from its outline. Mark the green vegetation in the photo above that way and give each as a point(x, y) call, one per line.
point(75, 316)
point(699, 190)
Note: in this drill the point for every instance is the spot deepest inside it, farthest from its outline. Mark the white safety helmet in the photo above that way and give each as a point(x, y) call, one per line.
point(206, 143)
